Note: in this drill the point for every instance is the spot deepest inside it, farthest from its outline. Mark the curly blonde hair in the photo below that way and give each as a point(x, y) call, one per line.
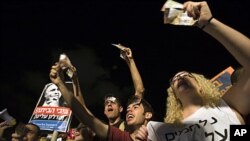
point(209, 93)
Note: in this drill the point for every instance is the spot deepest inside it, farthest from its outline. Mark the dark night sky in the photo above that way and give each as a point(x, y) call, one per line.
point(34, 33)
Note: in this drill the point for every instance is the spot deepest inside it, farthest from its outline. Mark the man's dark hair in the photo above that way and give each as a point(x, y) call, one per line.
point(38, 133)
point(146, 105)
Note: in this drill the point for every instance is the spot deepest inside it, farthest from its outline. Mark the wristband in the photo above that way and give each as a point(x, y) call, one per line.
point(208, 21)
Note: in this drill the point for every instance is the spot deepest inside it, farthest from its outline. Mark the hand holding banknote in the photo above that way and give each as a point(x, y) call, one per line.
point(199, 11)
point(125, 52)
point(174, 13)
point(65, 64)
point(188, 14)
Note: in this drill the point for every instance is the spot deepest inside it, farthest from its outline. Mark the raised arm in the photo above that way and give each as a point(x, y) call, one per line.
point(236, 43)
point(71, 71)
point(80, 111)
point(76, 86)
point(65, 64)
point(136, 77)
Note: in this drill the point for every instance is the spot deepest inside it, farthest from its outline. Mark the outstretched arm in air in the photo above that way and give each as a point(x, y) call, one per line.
point(80, 111)
point(136, 77)
point(233, 41)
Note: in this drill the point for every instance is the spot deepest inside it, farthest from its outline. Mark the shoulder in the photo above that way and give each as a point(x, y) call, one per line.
point(116, 134)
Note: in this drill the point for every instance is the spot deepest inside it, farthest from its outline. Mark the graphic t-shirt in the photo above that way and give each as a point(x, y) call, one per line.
point(206, 124)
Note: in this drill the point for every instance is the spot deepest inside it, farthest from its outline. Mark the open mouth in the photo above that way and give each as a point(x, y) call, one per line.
point(182, 83)
point(110, 109)
point(130, 117)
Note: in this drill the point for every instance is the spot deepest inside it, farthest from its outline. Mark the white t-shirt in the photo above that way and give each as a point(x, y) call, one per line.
point(206, 124)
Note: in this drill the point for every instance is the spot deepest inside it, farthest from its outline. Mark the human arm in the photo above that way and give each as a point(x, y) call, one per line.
point(236, 43)
point(76, 86)
point(65, 64)
point(71, 71)
point(80, 111)
point(136, 77)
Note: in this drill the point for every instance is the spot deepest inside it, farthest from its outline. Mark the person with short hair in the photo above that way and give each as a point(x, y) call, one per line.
point(84, 133)
point(112, 110)
point(31, 132)
point(138, 113)
point(112, 104)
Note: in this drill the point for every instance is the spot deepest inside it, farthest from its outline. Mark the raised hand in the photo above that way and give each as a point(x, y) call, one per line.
point(198, 10)
point(55, 74)
point(126, 52)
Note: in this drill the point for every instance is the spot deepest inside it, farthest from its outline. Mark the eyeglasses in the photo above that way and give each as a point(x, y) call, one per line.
point(179, 75)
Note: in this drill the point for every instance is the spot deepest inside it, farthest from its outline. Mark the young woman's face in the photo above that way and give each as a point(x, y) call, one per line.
point(184, 83)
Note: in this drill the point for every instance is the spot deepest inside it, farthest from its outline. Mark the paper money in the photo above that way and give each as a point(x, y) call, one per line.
point(119, 46)
point(65, 63)
point(174, 14)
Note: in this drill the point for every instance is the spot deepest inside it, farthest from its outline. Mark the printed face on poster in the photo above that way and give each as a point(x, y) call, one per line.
point(51, 112)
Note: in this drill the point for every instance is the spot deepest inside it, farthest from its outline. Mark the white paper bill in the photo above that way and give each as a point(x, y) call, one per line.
point(65, 63)
point(174, 14)
point(119, 46)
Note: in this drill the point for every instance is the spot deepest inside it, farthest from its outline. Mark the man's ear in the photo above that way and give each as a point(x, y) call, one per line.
point(148, 115)
point(121, 109)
